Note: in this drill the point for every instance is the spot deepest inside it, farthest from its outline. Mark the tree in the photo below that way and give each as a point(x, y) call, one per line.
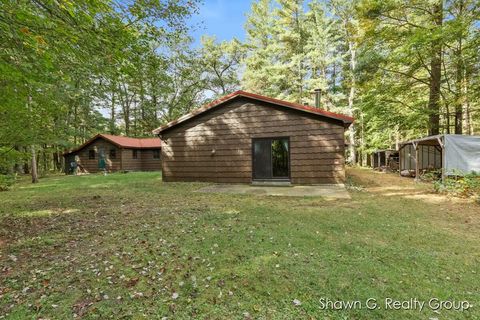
point(418, 53)
point(261, 49)
point(221, 64)
point(292, 38)
point(346, 13)
point(62, 62)
point(324, 56)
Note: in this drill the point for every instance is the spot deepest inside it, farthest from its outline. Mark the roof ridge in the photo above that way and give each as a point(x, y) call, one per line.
point(119, 136)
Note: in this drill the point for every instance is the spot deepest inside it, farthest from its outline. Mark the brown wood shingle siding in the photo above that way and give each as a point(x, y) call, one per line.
point(91, 165)
point(316, 144)
point(149, 163)
point(123, 161)
point(143, 162)
point(129, 163)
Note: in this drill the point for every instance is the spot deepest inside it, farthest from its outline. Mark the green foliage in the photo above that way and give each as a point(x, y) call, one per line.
point(71, 69)
point(293, 50)
point(395, 65)
point(9, 156)
point(464, 186)
point(63, 64)
point(372, 59)
point(6, 181)
point(220, 64)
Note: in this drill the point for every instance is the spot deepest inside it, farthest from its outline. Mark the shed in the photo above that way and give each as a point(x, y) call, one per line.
point(382, 159)
point(450, 154)
point(250, 138)
point(115, 153)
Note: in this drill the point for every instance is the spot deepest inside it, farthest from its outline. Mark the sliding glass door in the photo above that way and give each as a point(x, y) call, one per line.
point(271, 158)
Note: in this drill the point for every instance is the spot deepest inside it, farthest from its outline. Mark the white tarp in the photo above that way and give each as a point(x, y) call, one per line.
point(462, 154)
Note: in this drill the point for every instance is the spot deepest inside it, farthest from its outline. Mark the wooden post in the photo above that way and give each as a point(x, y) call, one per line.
point(442, 145)
point(399, 162)
point(417, 157)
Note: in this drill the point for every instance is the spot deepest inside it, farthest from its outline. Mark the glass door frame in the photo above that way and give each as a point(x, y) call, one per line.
point(287, 178)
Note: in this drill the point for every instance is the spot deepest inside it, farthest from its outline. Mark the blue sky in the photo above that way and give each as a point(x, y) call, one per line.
point(222, 18)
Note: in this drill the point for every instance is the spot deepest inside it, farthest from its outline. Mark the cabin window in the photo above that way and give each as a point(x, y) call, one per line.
point(91, 154)
point(156, 154)
point(113, 154)
point(135, 154)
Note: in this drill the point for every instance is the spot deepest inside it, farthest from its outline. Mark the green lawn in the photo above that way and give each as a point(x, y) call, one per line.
point(129, 246)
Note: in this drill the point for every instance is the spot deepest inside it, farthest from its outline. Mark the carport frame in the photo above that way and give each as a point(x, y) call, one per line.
point(440, 142)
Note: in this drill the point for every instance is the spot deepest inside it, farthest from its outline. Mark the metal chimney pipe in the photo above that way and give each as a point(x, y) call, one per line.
point(318, 96)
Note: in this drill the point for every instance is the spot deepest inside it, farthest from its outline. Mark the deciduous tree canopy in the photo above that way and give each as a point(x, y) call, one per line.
point(70, 69)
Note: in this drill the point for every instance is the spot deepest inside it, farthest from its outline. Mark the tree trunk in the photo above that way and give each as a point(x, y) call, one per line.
point(300, 54)
point(351, 99)
point(397, 138)
point(447, 118)
point(363, 161)
point(135, 118)
point(17, 167)
point(26, 165)
point(46, 162)
point(334, 77)
point(75, 114)
point(435, 75)
point(34, 165)
point(459, 98)
point(75, 123)
point(57, 159)
point(112, 115)
point(155, 111)
point(468, 119)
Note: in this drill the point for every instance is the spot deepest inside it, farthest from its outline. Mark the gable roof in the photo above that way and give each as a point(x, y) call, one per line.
point(127, 142)
point(123, 142)
point(291, 105)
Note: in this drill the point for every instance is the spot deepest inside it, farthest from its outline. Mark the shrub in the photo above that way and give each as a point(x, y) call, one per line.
point(432, 175)
point(6, 181)
point(466, 186)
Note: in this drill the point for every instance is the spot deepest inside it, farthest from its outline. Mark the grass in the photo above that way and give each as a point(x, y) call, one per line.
point(127, 246)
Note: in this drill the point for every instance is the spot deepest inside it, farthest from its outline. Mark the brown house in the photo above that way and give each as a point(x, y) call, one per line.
point(245, 137)
point(115, 153)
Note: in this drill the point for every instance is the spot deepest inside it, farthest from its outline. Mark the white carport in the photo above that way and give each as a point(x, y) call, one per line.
point(453, 154)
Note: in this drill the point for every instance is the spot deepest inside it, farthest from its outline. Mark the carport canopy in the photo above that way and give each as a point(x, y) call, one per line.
point(380, 157)
point(452, 153)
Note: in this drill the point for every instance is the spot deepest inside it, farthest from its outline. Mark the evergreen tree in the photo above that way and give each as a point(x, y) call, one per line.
point(261, 50)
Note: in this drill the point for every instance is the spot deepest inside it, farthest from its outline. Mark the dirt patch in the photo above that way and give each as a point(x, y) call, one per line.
point(392, 185)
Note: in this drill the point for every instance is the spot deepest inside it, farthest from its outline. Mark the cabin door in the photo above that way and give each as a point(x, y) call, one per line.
point(271, 159)
point(101, 159)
